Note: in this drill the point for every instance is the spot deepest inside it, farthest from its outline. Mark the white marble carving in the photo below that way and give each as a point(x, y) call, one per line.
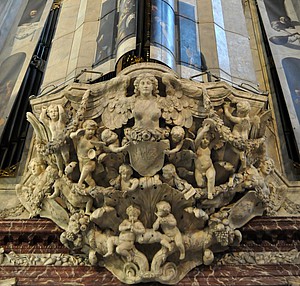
point(153, 173)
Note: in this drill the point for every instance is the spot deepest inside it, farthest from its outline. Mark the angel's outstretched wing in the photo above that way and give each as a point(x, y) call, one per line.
point(182, 101)
point(259, 123)
point(41, 131)
point(107, 100)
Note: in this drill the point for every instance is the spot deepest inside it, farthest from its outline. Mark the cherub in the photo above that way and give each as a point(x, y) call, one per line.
point(111, 140)
point(85, 144)
point(54, 118)
point(65, 188)
point(168, 224)
point(204, 167)
point(177, 138)
point(129, 229)
point(241, 121)
point(36, 185)
point(124, 181)
point(170, 177)
point(110, 144)
point(242, 124)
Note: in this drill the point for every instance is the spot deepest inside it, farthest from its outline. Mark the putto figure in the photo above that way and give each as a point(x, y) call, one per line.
point(54, 118)
point(129, 228)
point(85, 143)
point(204, 168)
point(168, 224)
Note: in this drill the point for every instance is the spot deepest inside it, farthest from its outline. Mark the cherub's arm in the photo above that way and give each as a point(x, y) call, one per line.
point(176, 149)
point(200, 134)
point(77, 134)
point(62, 114)
point(43, 116)
point(99, 144)
point(171, 220)
point(232, 118)
point(116, 149)
point(156, 224)
point(116, 183)
point(125, 225)
point(134, 184)
point(138, 228)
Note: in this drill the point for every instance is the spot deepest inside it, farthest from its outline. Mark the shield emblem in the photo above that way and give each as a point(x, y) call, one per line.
point(248, 207)
point(147, 158)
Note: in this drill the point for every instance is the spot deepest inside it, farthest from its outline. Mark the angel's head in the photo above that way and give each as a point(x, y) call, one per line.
point(108, 136)
point(177, 134)
point(133, 213)
point(169, 171)
point(36, 166)
point(243, 108)
point(267, 166)
point(33, 13)
point(125, 171)
point(146, 84)
point(53, 112)
point(90, 127)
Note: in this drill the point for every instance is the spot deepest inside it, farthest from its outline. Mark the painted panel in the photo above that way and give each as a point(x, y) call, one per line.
point(189, 50)
point(126, 37)
point(18, 51)
point(281, 22)
point(117, 32)
point(162, 46)
point(106, 42)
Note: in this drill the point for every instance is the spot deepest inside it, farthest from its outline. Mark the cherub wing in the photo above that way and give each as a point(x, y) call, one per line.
point(259, 123)
point(41, 131)
point(184, 99)
point(107, 100)
point(118, 108)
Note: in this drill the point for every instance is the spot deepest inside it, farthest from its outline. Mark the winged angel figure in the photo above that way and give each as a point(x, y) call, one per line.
point(146, 114)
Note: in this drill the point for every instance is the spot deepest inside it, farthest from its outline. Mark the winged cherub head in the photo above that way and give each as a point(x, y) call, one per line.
point(146, 85)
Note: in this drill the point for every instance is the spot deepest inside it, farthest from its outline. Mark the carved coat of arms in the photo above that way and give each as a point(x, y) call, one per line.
point(146, 173)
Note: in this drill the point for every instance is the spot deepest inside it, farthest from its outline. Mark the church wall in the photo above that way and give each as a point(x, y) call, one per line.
point(268, 253)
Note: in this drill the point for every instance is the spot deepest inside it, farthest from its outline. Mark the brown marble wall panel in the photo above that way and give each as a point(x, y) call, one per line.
point(30, 236)
point(202, 276)
point(42, 236)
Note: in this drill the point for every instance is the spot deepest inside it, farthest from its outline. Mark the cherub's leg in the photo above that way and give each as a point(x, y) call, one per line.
point(199, 177)
point(180, 245)
point(93, 257)
point(111, 242)
point(65, 154)
point(211, 177)
point(208, 257)
point(231, 181)
point(89, 205)
point(60, 164)
point(166, 244)
point(123, 249)
point(85, 175)
point(90, 181)
point(243, 160)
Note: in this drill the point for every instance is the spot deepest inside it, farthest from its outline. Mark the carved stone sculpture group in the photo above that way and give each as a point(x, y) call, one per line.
point(148, 174)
